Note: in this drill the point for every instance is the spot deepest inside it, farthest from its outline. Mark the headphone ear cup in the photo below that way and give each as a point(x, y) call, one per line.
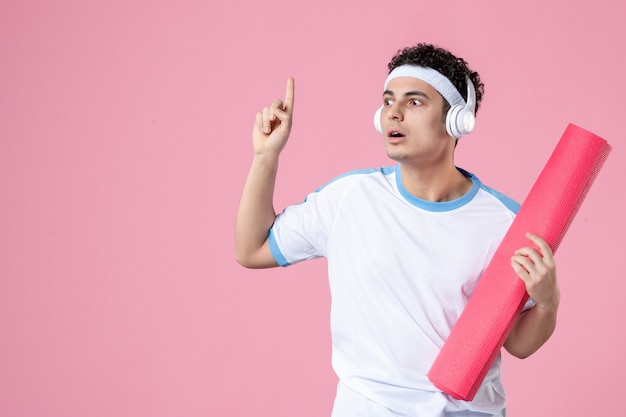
point(460, 121)
point(452, 126)
point(377, 116)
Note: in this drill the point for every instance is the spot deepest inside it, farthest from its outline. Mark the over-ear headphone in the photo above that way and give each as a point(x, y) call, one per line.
point(460, 120)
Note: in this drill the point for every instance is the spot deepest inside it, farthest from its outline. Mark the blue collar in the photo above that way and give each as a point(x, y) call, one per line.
point(443, 205)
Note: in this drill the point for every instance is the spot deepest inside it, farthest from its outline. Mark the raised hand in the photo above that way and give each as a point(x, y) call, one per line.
point(273, 125)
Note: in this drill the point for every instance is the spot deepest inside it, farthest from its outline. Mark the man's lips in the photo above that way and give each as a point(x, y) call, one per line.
point(395, 135)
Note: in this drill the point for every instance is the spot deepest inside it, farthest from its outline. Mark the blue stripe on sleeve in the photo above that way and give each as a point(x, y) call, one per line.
point(508, 202)
point(276, 253)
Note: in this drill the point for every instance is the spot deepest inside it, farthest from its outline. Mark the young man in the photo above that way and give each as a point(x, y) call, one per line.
point(405, 244)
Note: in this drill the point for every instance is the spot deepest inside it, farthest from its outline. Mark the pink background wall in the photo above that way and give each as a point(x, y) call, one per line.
point(124, 143)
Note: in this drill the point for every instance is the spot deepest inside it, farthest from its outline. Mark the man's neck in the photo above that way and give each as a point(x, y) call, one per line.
point(437, 184)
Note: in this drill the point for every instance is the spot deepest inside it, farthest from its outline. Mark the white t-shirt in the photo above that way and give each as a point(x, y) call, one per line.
point(401, 270)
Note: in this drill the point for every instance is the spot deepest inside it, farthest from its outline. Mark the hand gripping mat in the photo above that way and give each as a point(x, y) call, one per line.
point(500, 295)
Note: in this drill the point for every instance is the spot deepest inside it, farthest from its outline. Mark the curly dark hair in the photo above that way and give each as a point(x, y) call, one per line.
point(452, 67)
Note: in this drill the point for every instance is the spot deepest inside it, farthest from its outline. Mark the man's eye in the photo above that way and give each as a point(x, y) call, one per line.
point(416, 102)
point(387, 102)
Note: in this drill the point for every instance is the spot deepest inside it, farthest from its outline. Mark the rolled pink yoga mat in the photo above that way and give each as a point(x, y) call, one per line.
point(500, 295)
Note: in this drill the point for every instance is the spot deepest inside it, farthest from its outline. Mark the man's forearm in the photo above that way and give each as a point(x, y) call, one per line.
point(256, 214)
point(533, 328)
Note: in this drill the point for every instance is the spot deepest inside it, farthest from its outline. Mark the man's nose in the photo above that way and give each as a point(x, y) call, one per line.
point(394, 112)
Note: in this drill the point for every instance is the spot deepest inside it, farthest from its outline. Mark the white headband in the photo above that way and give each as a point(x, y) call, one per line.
point(433, 77)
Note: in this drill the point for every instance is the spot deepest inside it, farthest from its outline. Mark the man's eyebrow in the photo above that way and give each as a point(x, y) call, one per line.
point(408, 93)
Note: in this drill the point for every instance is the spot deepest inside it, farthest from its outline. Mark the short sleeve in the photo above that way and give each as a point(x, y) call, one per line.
point(301, 231)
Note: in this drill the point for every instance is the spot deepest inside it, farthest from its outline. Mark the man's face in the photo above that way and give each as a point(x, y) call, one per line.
point(412, 123)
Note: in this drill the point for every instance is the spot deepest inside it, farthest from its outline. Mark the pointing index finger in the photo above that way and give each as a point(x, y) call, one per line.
point(289, 95)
